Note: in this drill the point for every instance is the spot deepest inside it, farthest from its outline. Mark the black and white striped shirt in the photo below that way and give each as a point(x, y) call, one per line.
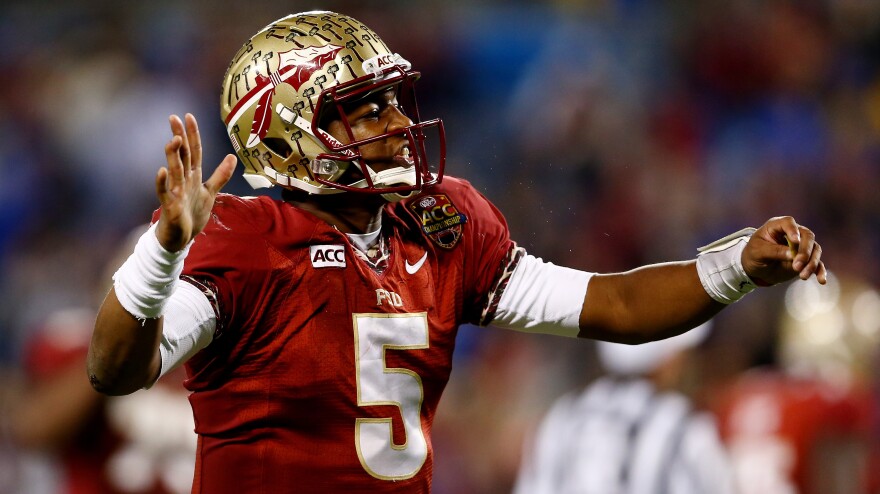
point(621, 436)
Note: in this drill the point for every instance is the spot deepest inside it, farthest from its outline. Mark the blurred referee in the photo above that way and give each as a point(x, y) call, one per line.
point(629, 432)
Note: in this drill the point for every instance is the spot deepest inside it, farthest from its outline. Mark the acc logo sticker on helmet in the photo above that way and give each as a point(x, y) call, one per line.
point(440, 220)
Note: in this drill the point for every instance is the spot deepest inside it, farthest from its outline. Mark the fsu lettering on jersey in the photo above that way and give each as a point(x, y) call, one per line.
point(325, 372)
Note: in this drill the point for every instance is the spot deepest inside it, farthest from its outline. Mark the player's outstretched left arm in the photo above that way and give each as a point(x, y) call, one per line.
point(662, 300)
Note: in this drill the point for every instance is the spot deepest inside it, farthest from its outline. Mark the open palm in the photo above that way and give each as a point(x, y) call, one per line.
point(186, 201)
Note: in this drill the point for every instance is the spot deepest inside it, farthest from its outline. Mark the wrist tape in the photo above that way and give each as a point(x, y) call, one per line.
point(720, 268)
point(147, 278)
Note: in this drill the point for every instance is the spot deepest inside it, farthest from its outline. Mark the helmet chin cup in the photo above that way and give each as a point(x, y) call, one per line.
point(397, 196)
point(258, 181)
point(392, 177)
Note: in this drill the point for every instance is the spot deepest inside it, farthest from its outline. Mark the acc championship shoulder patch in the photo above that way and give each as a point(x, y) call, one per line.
point(441, 221)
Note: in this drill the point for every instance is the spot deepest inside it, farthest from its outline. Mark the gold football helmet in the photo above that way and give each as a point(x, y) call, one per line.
point(296, 74)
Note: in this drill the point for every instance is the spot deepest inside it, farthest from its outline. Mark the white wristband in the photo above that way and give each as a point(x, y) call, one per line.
point(147, 278)
point(719, 265)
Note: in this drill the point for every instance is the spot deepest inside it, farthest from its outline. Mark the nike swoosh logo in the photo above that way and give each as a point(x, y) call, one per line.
point(414, 268)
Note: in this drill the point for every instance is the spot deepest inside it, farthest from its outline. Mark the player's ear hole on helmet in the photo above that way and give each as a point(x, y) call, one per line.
point(278, 146)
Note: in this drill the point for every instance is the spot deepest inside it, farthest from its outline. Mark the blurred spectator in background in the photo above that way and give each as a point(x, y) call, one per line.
point(632, 430)
point(483, 419)
point(807, 425)
point(77, 441)
point(57, 420)
point(74, 440)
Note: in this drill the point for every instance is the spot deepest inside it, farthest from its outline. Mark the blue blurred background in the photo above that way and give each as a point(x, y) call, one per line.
point(610, 133)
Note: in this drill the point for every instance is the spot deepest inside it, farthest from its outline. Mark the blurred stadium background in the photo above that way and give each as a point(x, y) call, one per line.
point(611, 133)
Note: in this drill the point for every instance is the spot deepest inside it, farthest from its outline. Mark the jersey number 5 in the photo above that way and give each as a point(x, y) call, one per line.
point(378, 384)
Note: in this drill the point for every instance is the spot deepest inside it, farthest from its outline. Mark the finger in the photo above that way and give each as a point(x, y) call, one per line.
point(162, 184)
point(792, 247)
point(222, 174)
point(784, 229)
point(768, 242)
point(175, 164)
point(176, 125)
point(812, 266)
point(803, 250)
point(195, 142)
point(177, 129)
point(771, 252)
point(822, 273)
point(783, 233)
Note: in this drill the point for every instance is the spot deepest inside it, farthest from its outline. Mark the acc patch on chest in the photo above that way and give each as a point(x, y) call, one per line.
point(440, 220)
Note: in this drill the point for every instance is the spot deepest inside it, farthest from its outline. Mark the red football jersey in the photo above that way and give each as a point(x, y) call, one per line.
point(780, 428)
point(324, 375)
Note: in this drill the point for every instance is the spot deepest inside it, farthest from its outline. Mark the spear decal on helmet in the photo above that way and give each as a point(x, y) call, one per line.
point(295, 67)
point(262, 114)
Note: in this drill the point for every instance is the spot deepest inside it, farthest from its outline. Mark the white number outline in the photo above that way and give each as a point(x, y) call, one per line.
point(411, 333)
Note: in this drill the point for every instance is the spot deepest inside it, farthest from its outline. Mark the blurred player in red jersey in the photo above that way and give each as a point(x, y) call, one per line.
point(90, 443)
point(84, 442)
point(318, 330)
point(806, 425)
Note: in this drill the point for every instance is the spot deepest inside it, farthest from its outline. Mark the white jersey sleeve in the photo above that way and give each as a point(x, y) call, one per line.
point(542, 297)
point(187, 326)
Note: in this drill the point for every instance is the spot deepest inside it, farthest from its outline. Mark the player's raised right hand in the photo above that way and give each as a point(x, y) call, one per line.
point(186, 201)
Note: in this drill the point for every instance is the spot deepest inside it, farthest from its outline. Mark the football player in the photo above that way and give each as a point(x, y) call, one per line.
point(318, 330)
